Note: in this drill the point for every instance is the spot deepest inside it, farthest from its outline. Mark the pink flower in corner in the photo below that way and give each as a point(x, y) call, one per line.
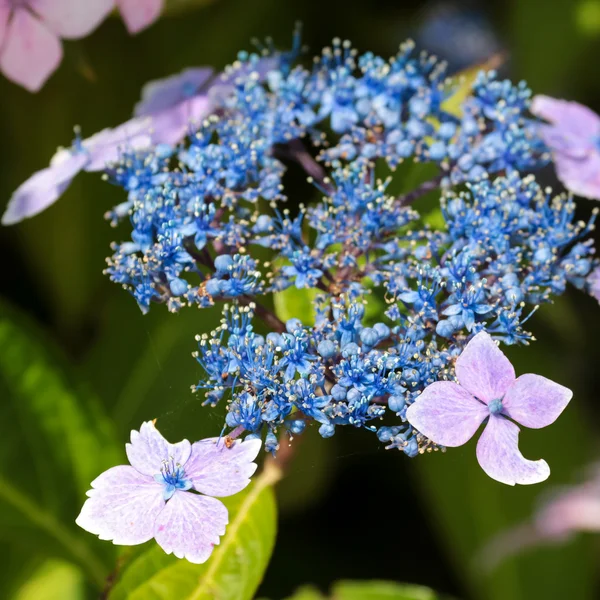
point(167, 493)
point(139, 14)
point(30, 33)
point(573, 136)
point(450, 413)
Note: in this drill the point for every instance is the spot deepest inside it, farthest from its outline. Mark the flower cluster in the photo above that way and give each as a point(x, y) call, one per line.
point(396, 299)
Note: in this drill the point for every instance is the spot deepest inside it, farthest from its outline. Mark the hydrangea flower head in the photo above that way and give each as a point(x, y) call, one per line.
point(167, 493)
point(450, 413)
point(573, 135)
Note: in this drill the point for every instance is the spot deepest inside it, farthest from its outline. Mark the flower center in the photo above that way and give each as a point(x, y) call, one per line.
point(172, 476)
point(495, 406)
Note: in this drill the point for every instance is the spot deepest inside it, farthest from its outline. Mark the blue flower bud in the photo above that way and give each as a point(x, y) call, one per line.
point(338, 392)
point(178, 286)
point(327, 430)
point(326, 348)
point(396, 403)
point(412, 448)
point(297, 426)
point(353, 395)
point(368, 336)
point(445, 328)
point(213, 287)
point(222, 263)
point(350, 349)
point(271, 443)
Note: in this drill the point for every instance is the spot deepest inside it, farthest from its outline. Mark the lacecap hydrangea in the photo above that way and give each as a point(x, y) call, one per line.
point(397, 289)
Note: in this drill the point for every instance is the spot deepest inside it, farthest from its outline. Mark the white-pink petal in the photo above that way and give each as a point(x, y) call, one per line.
point(31, 52)
point(149, 449)
point(122, 506)
point(483, 370)
point(447, 414)
point(217, 470)
point(534, 401)
point(139, 14)
point(190, 526)
point(72, 18)
point(499, 455)
point(5, 11)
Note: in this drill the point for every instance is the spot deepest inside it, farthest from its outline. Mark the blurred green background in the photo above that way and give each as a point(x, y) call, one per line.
point(80, 366)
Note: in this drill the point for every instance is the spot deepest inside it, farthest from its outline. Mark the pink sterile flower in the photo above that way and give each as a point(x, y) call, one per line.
point(574, 138)
point(166, 115)
point(30, 32)
point(157, 496)
point(450, 413)
point(139, 14)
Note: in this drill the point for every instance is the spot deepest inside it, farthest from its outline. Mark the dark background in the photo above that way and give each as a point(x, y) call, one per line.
point(349, 508)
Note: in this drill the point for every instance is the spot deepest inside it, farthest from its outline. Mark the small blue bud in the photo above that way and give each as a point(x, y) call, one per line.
point(396, 403)
point(327, 430)
point(326, 348)
point(297, 426)
point(412, 448)
point(271, 443)
point(338, 392)
point(222, 263)
point(445, 328)
point(292, 324)
point(368, 336)
point(383, 331)
point(213, 287)
point(178, 286)
point(350, 349)
point(353, 395)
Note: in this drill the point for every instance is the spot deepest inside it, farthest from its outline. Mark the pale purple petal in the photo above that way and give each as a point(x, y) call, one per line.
point(43, 188)
point(138, 14)
point(107, 145)
point(565, 143)
point(571, 117)
point(447, 414)
point(580, 176)
point(593, 282)
point(499, 456)
point(483, 370)
point(122, 506)
point(190, 526)
point(4, 14)
point(149, 449)
point(170, 126)
point(31, 52)
point(72, 18)
point(534, 401)
point(217, 470)
point(161, 94)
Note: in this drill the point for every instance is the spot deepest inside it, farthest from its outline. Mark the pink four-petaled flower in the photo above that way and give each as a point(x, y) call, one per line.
point(573, 135)
point(450, 413)
point(156, 497)
point(31, 30)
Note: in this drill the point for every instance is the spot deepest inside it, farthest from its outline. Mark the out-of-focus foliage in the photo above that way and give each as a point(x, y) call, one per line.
point(367, 590)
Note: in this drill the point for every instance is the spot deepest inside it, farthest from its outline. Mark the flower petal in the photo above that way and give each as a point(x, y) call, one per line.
point(42, 189)
point(164, 93)
point(499, 456)
point(447, 414)
point(138, 14)
point(107, 145)
point(217, 470)
point(122, 506)
point(72, 18)
point(190, 526)
point(148, 450)
point(5, 11)
point(483, 370)
point(534, 401)
point(171, 125)
point(31, 52)
point(570, 117)
point(579, 175)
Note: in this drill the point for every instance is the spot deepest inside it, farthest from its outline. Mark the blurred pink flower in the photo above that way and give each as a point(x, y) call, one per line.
point(558, 518)
point(138, 14)
point(31, 30)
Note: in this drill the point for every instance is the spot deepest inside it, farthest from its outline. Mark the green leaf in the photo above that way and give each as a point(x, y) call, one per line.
point(298, 304)
point(368, 590)
point(235, 569)
point(380, 590)
point(53, 579)
point(54, 440)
